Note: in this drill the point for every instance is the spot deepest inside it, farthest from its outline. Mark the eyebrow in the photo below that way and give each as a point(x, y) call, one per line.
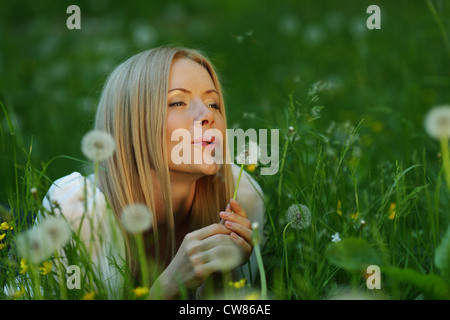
point(187, 91)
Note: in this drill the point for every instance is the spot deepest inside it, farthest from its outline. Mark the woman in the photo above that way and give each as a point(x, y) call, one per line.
point(144, 101)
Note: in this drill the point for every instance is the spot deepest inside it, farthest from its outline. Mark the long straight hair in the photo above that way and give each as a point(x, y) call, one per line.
point(133, 109)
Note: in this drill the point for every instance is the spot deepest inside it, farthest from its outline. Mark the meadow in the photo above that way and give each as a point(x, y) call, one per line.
point(349, 103)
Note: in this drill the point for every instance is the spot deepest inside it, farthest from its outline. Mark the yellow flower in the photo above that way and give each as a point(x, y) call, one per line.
point(355, 216)
point(252, 296)
point(23, 266)
point(141, 292)
point(238, 284)
point(377, 126)
point(46, 267)
point(392, 211)
point(2, 245)
point(339, 208)
point(5, 226)
point(19, 293)
point(250, 167)
point(89, 296)
point(2, 236)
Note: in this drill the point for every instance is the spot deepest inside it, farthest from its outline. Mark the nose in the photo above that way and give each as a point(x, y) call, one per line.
point(205, 118)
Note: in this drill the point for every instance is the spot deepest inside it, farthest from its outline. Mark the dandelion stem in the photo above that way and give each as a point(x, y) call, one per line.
point(286, 256)
point(62, 282)
point(262, 274)
point(36, 282)
point(142, 259)
point(445, 159)
point(238, 181)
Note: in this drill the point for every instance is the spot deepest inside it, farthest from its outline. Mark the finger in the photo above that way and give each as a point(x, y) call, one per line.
point(233, 217)
point(241, 242)
point(245, 233)
point(208, 231)
point(236, 207)
point(211, 242)
point(223, 258)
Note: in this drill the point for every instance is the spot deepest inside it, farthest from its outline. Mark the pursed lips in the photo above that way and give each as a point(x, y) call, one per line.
point(205, 141)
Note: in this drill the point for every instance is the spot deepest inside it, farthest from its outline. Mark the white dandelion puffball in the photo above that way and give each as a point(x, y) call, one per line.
point(34, 245)
point(98, 145)
point(299, 216)
point(249, 155)
point(136, 218)
point(57, 230)
point(437, 122)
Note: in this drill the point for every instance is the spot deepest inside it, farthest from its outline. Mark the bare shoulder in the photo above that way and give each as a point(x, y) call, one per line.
point(250, 195)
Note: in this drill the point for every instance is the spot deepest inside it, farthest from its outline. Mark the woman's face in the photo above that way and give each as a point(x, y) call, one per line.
point(195, 127)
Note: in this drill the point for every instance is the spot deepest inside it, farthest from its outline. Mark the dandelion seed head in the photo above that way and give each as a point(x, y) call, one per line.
point(437, 122)
point(249, 155)
point(34, 245)
point(136, 218)
point(98, 145)
point(299, 216)
point(58, 231)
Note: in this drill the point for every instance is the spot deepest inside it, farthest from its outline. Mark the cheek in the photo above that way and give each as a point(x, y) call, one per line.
point(174, 126)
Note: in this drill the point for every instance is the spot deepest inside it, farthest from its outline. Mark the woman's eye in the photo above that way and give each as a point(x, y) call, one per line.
point(177, 104)
point(214, 105)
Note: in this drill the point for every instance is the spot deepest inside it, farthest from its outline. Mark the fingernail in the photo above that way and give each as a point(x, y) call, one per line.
point(234, 235)
point(224, 214)
point(229, 224)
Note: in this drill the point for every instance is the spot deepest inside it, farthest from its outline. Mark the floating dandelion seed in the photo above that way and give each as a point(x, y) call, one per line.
point(98, 145)
point(136, 218)
point(437, 122)
point(299, 216)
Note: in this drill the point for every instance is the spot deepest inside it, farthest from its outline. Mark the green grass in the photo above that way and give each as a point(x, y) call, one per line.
point(358, 141)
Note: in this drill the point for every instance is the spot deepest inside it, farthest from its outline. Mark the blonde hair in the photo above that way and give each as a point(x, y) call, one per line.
point(132, 108)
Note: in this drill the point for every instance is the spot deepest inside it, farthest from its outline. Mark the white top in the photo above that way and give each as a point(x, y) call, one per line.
point(86, 210)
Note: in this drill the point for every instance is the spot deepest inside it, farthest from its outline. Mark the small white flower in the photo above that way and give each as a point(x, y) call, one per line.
point(335, 237)
point(437, 122)
point(299, 216)
point(136, 218)
point(98, 145)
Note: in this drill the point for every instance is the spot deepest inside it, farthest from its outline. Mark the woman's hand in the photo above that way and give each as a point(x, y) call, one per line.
point(202, 252)
point(236, 220)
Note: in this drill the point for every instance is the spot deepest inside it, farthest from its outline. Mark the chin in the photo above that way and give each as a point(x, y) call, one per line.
point(210, 169)
point(197, 170)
